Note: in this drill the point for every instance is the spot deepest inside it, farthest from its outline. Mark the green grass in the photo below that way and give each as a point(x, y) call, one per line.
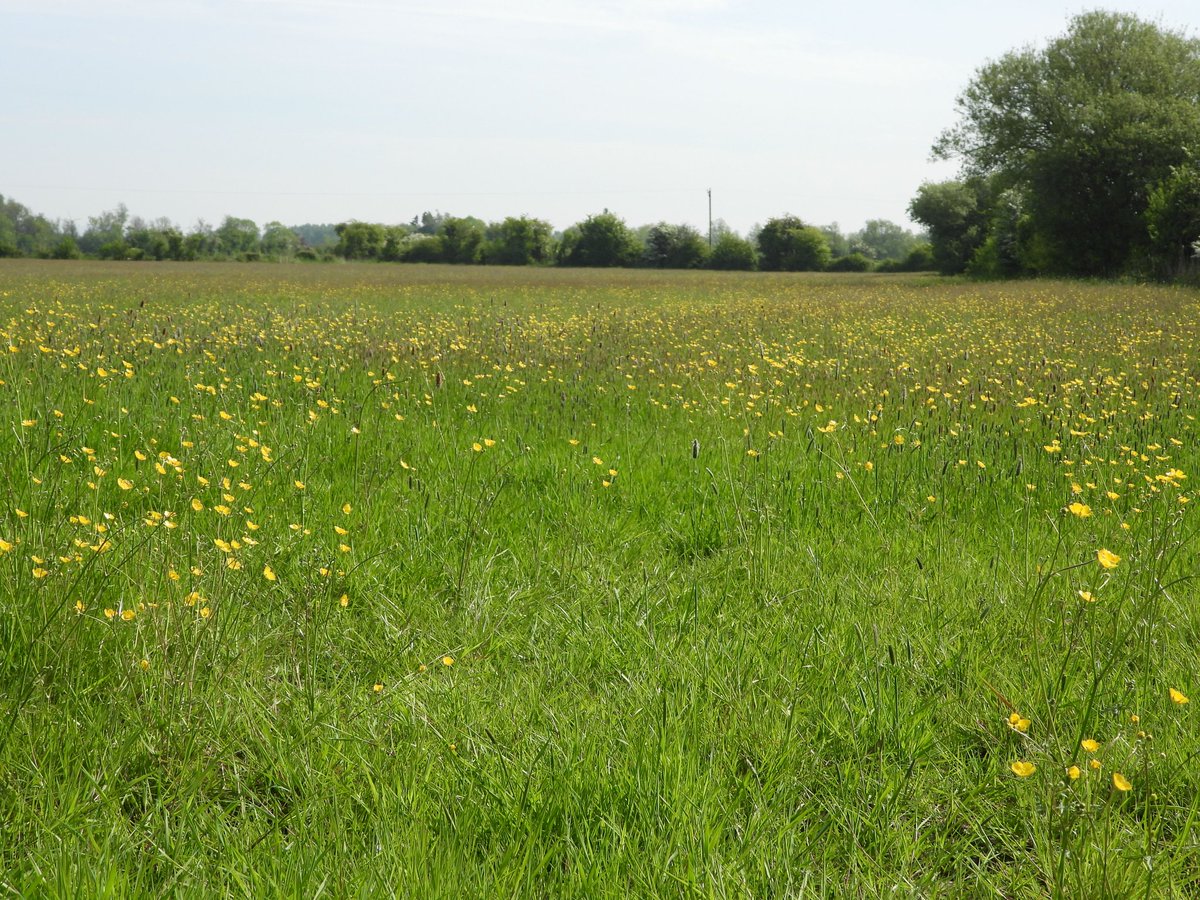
point(775, 655)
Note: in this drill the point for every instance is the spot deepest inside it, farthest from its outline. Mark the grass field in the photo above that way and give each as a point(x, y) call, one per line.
point(477, 582)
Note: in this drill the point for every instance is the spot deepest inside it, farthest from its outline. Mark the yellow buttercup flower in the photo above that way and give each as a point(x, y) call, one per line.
point(1023, 769)
point(1178, 697)
point(1107, 559)
point(1018, 723)
point(1120, 782)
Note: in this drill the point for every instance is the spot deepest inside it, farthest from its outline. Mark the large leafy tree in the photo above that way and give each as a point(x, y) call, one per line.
point(955, 213)
point(674, 247)
point(602, 240)
point(733, 253)
point(881, 239)
point(519, 242)
point(1174, 219)
point(462, 239)
point(786, 244)
point(360, 240)
point(1084, 129)
point(236, 236)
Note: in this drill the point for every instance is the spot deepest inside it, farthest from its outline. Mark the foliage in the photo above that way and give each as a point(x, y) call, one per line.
point(316, 236)
point(237, 236)
point(1173, 218)
point(1085, 129)
point(839, 244)
point(854, 262)
point(919, 259)
point(421, 249)
point(674, 247)
point(732, 253)
point(955, 213)
point(462, 239)
point(1008, 250)
point(522, 241)
point(107, 228)
point(360, 240)
point(786, 244)
point(599, 241)
point(278, 242)
point(428, 223)
point(881, 239)
point(67, 249)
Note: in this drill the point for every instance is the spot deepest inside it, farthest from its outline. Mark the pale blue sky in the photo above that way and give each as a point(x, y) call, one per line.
point(325, 110)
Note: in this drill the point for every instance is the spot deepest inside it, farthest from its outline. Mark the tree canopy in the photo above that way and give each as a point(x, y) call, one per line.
point(601, 240)
point(1083, 131)
point(786, 244)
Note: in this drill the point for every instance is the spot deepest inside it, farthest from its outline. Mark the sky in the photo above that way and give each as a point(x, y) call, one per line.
point(329, 110)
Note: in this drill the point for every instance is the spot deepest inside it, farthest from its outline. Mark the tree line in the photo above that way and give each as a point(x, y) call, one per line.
point(1081, 158)
point(784, 243)
point(603, 240)
point(115, 234)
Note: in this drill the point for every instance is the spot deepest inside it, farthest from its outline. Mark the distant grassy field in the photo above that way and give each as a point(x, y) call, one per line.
point(478, 582)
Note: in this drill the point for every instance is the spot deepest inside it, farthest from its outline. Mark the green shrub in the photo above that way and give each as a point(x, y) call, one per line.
point(853, 262)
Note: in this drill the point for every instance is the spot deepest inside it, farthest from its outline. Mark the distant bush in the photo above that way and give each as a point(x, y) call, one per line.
point(65, 249)
point(786, 244)
point(1173, 221)
point(423, 250)
point(519, 242)
point(853, 262)
point(920, 259)
point(732, 253)
point(113, 250)
point(600, 241)
point(674, 247)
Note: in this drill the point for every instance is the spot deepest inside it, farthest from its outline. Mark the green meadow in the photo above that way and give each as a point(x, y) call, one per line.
point(363, 580)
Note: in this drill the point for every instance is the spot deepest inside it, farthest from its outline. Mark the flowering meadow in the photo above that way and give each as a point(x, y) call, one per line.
point(365, 580)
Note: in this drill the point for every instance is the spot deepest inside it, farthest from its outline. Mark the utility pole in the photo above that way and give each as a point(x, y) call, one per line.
point(710, 218)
